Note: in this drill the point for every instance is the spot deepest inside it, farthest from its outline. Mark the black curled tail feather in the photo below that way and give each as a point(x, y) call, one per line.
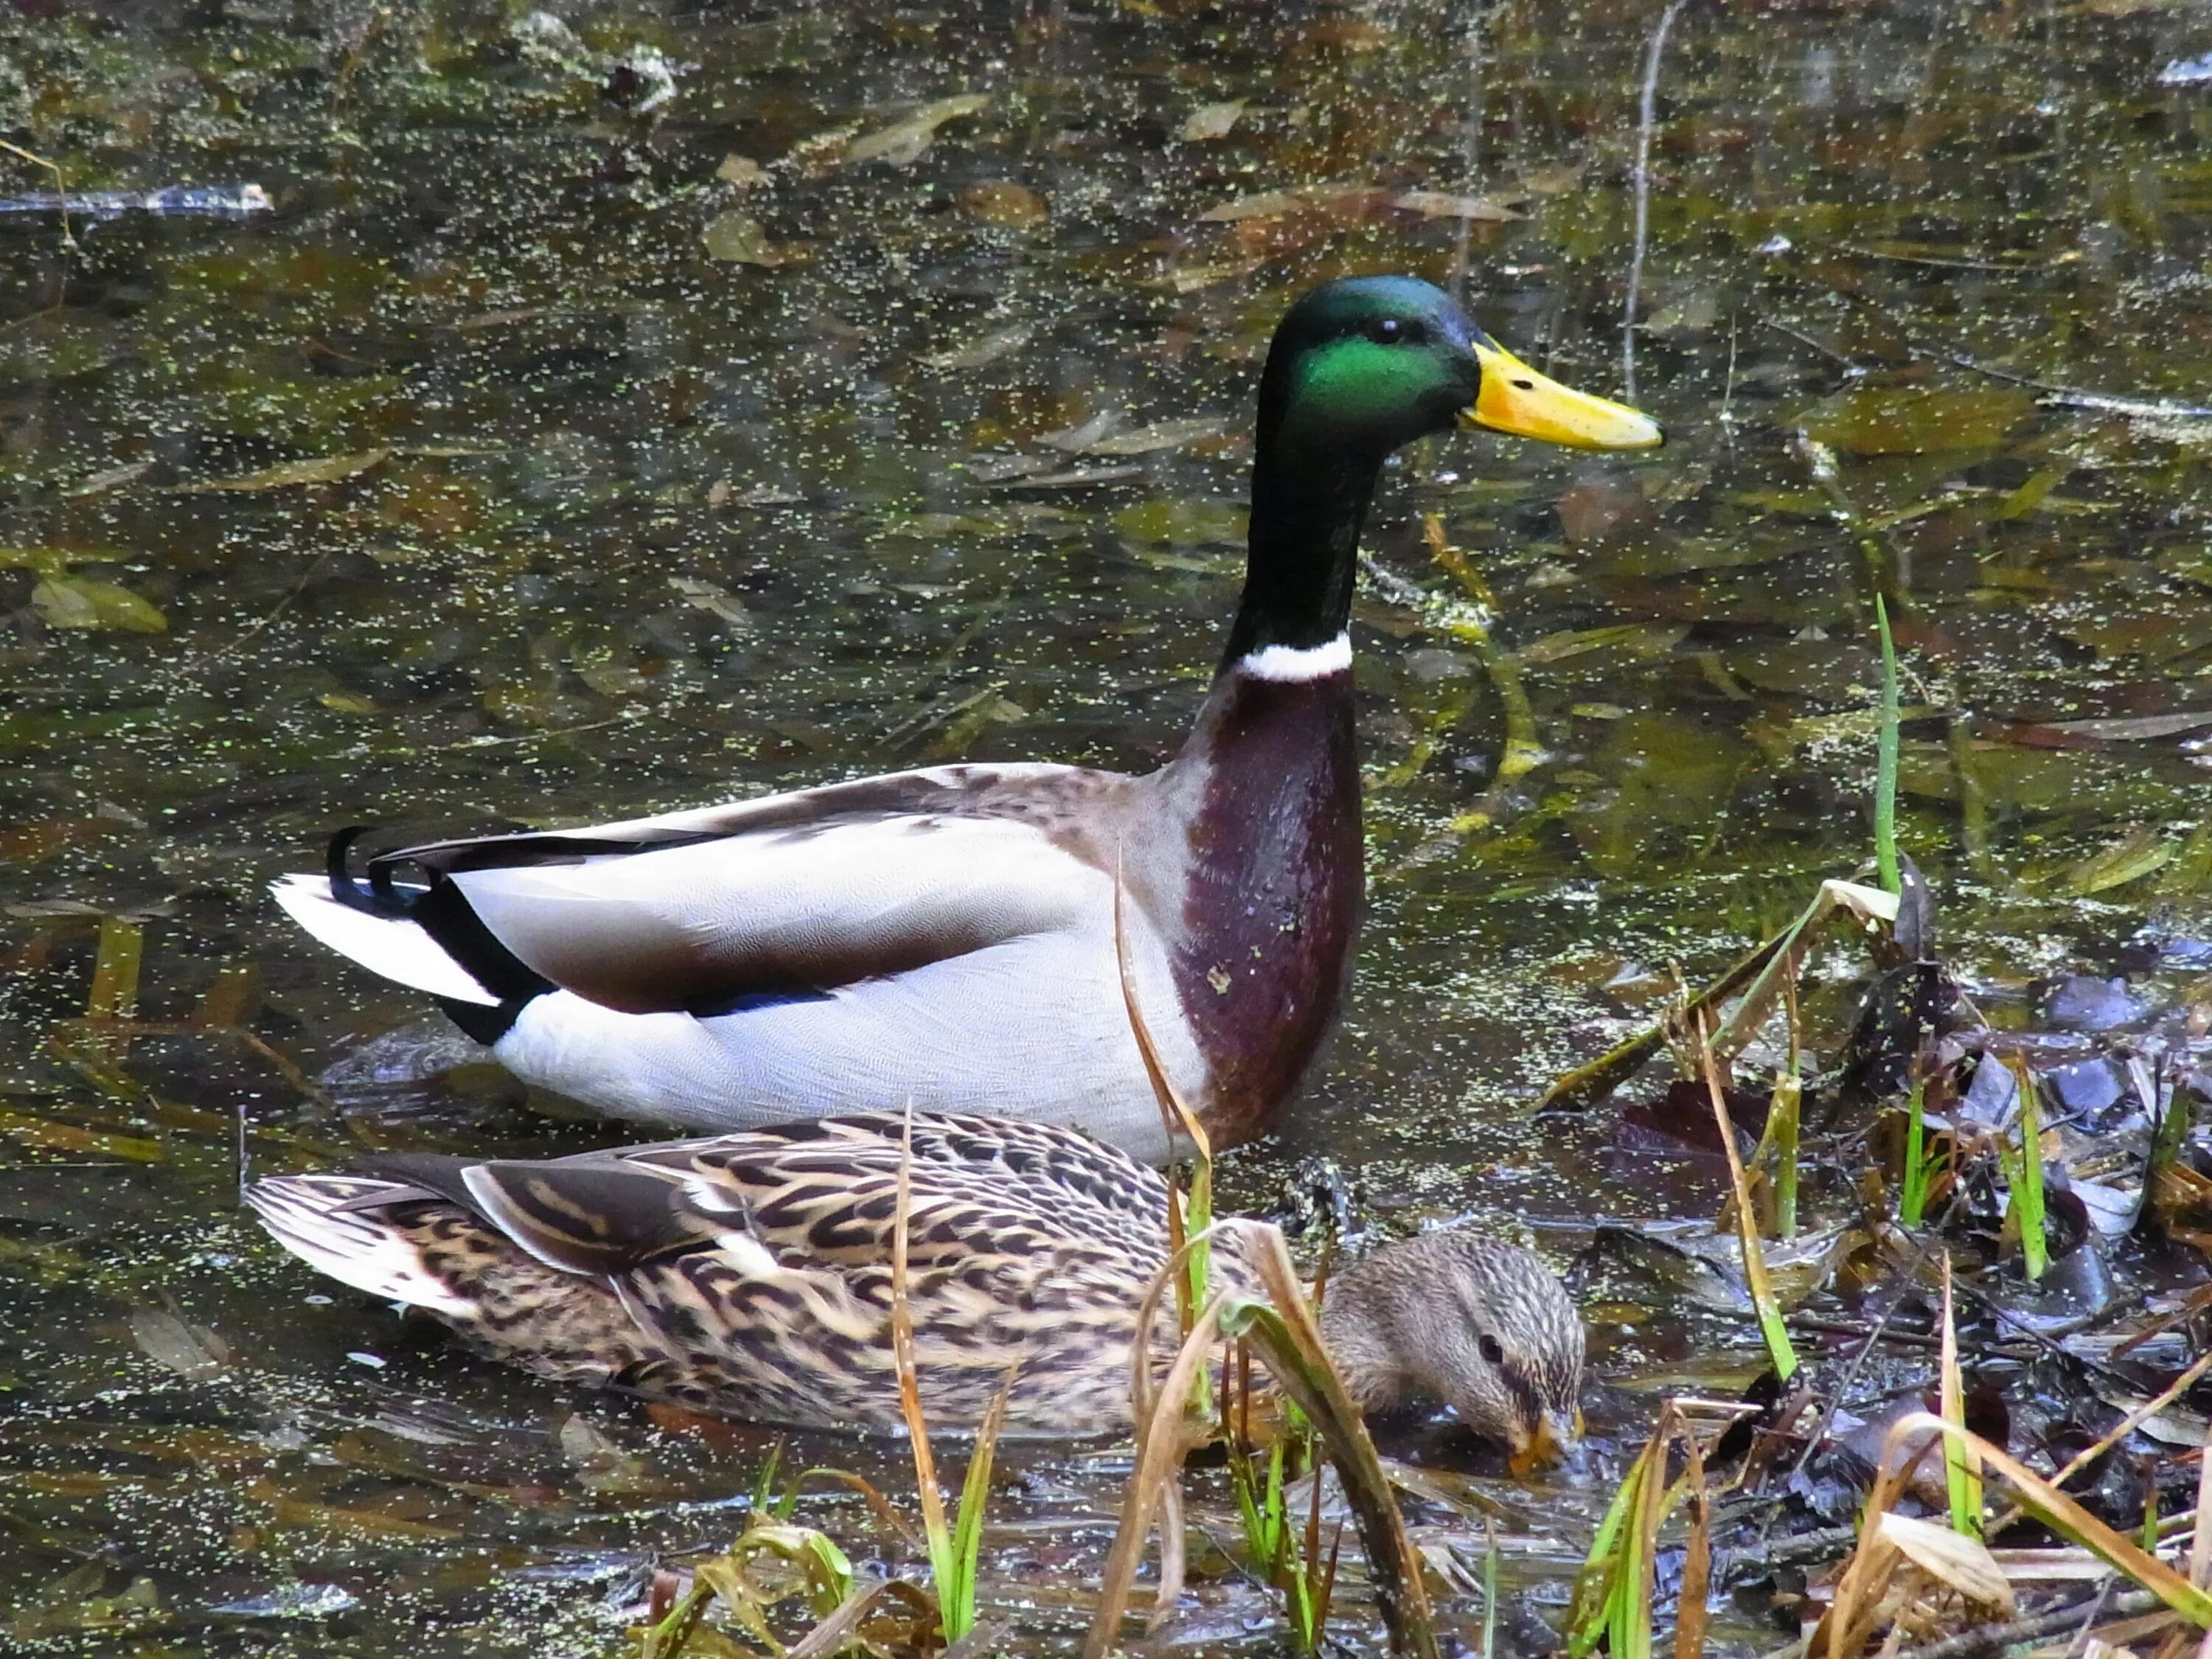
point(377, 896)
point(442, 911)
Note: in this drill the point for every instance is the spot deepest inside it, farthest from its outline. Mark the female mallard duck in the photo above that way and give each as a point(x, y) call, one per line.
point(948, 935)
point(751, 1275)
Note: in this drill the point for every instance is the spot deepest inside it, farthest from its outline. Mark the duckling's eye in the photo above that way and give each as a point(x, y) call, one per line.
point(1493, 1350)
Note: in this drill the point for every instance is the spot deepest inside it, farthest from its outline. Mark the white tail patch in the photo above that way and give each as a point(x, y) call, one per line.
point(355, 1247)
point(390, 945)
point(1291, 662)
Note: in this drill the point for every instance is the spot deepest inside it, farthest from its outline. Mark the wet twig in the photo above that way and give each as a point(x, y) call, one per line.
point(2051, 1346)
point(1993, 1639)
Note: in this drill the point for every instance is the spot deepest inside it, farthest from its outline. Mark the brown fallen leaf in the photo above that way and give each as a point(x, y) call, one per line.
point(905, 143)
point(742, 171)
point(285, 475)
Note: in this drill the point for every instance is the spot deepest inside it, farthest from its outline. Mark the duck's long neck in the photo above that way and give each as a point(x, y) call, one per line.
point(1303, 553)
point(1267, 793)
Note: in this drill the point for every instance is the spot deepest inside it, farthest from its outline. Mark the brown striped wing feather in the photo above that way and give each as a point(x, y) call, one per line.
point(751, 1273)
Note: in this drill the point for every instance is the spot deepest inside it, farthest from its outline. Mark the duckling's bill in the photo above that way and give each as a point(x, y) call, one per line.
point(1516, 399)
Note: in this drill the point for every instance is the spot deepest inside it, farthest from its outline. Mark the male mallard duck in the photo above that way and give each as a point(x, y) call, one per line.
point(751, 1275)
point(948, 935)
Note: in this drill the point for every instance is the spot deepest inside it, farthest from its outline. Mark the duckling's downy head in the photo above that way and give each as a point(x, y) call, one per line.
point(1481, 1325)
point(1366, 364)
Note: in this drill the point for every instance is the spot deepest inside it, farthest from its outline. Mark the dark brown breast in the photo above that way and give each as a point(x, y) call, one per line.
point(1275, 883)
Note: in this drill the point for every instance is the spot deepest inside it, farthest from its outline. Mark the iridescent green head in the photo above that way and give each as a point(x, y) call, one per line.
point(1364, 365)
point(1359, 368)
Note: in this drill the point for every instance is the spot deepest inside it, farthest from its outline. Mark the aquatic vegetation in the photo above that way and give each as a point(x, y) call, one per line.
point(589, 427)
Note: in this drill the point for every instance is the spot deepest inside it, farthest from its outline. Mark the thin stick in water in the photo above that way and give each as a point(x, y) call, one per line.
point(1646, 115)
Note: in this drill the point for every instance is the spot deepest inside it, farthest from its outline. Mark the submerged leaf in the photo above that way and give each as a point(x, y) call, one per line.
point(82, 602)
point(2138, 854)
point(905, 142)
point(1891, 420)
point(1000, 343)
point(736, 239)
point(1442, 204)
point(316, 469)
point(1002, 202)
point(1211, 121)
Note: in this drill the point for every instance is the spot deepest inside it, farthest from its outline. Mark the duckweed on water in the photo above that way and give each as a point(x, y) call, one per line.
point(628, 406)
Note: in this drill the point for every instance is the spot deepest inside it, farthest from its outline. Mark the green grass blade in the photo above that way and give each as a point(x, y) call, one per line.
point(1885, 775)
point(1912, 1200)
point(2027, 1186)
point(1590, 1607)
point(1962, 1474)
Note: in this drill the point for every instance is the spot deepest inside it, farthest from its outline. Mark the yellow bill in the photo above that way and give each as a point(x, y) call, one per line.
point(1516, 399)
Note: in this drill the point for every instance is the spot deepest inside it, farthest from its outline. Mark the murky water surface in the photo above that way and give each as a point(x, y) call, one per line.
point(686, 400)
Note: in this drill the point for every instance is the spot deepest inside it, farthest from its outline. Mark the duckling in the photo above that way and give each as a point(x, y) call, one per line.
point(948, 934)
point(750, 1275)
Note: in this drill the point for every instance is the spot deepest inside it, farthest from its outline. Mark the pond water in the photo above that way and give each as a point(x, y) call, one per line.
point(626, 406)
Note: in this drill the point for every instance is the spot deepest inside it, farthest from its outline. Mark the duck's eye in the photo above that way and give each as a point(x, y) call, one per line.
point(1493, 1351)
point(1387, 330)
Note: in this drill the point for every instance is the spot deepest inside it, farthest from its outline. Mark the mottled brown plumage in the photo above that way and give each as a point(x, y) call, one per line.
point(750, 1274)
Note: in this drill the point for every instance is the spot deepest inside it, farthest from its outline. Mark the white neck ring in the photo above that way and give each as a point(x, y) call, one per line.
point(1291, 662)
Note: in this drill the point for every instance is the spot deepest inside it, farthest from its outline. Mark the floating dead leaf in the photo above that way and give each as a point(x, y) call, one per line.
point(905, 143)
point(1891, 420)
point(736, 239)
point(1000, 343)
point(287, 475)
point(1443, 204)
point(742, 171)
point(82, 602)
point(1210, 121)
point(1002, 202)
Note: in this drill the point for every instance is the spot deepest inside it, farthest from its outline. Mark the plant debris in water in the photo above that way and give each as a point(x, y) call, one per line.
point(625, 407)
